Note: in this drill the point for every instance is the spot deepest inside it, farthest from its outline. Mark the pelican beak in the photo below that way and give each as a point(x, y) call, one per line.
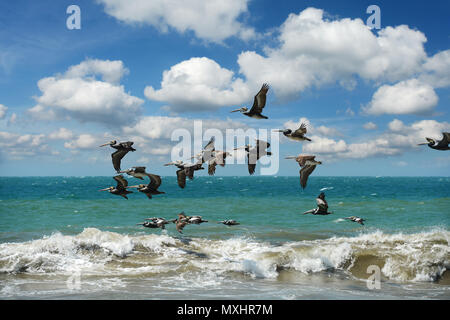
point(106, 189)
point(235, 110)
point(291, 157)
point(421, 144)
point(278, 130)
point(132, 187)
point(106, 144)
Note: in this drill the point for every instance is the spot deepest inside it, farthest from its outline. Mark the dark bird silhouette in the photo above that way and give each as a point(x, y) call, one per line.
point(122, 149)
point(356, 219)
point(255, 153)
point(156, 223)
point(439, 145)
point(297, 135)
point(322, 206)
point(185, 170)
point(120, 189)
point(137, 172)
point(307, 164)
point(152, 187)
point(258, 104)
point(229, 222)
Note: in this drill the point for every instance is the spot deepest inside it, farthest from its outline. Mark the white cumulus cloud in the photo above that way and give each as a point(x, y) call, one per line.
point(211, 20)
point(406, 97)
point(79, 95)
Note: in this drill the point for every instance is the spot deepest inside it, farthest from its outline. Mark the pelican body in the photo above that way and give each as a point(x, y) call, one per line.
point(137, 172)
point(122, 149)
point(297, 135)
point(307, 164)
point(439, 145)
point(258, 104)
point(255, 153)
point(356, 219)
point(120, 189)
point(185, 170)
point(152, 187)
point(229, 222)
point(322, 206)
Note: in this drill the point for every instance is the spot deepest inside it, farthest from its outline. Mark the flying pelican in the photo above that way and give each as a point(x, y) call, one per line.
point(152, 187)
point(207, 152)
point(255, 153)
point(137, 172)
point(219, 159)
point(229, 222)
point(307, 164)
point(258, 104)
point(297, 135)
point(439, 145)
point(156, 223)
point(185, 170)
point(120, 189)
point(190, 219)
point(322, 206)
point(122, 149)
point(356, 219)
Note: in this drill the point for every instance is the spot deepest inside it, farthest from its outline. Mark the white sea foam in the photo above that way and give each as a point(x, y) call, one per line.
point(417, 257)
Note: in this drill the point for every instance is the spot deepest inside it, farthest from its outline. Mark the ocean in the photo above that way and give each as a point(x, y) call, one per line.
point(60, 238)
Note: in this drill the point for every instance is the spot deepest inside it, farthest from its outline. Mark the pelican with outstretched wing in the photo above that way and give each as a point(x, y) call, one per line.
point(258, 104)
point(137, 172)
point(307, 164)
point(122, 149)
point(297, 135)
point(439, 145)
point(152, 187)
point(120, 189)
point(255, 153)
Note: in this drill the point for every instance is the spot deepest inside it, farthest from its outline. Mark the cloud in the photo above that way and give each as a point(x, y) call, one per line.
point(3, 110)
point(212, 20)
point(61, 134)
point(405, 97)
point(199, 84)
point(370, 126)
point(314, 51)
point(436, 70)
point(79, 95)
point(18, 146)
point(84, 142)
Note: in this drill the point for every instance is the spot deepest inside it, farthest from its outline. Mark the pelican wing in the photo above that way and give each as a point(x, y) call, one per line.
point(261, 144)
point(304, 174)
point(212, 167)
point(139, 170)
point(122, 183)
point(251, 168)
point(303, 158)
point(300, 131)
point(181, 178)
point(126, 145)
point(155, 180)
point(210, 145)
point(117, 157)
point(180, 225)
point(445, 139)
point(220, 158)
point(322, 204)
point(260, 99)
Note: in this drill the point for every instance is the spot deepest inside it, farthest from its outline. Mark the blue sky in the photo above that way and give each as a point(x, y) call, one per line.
point(137, 70)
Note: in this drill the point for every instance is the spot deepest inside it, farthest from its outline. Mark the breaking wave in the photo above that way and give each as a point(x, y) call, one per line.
point(401, 257)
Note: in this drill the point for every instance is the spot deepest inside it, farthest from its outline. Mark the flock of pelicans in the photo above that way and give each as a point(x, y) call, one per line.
point(217, 157)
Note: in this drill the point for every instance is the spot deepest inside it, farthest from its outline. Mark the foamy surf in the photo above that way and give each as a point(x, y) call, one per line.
point(401, 257)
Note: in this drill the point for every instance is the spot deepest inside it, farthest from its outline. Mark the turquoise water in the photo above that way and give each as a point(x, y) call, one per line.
point(39, 213)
